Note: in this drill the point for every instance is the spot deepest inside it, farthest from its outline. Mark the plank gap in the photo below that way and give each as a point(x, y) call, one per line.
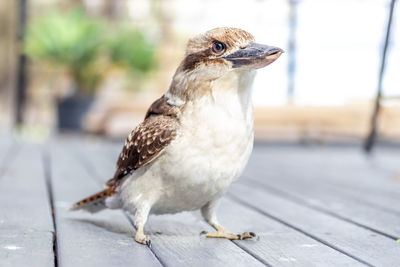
point(237, 200)
point(89, 167)
point(361, 200)
point(49, 187)
point(237, 243)
point(302, 202)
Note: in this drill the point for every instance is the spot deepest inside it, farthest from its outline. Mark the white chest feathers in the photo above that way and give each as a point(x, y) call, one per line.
point(213, 144)
point(218, 137)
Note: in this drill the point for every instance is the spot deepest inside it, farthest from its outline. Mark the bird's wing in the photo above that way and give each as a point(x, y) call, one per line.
point(146, 141)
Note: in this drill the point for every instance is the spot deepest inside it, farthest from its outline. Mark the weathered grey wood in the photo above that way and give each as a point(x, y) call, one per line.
point(361, 243)
point(300, 214)
point(387, 159)
point(103, 239)
point(5, 144)
point(24, 200)
point(26, 226)
point(323, 197)
point(8, 148)
point(278, 245)
point(344, 169)
point(175, 238)
point(313, 189)
point(176, 241)
point(367, 196)
point(22, 247)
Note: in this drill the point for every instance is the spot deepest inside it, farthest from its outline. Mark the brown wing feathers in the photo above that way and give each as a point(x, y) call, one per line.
point(148, 139)
point(145, 143)
point(162, 107)
point(142, 145)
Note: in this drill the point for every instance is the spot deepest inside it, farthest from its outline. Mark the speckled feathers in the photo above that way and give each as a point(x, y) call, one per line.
point(148, 139)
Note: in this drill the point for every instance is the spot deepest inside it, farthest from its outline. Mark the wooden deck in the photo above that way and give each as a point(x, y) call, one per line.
point(310, 205)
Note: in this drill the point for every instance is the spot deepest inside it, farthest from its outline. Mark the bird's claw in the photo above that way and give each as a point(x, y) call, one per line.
point(143, 239)
point(231, 236)
point(248, 235)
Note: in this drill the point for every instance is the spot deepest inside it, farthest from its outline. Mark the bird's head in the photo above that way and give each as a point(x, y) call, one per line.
point(215, 53)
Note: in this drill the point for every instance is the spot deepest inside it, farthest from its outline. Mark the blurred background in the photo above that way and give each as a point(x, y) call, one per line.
point(94, 66)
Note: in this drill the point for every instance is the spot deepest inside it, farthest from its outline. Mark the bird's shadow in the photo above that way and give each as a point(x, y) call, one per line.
point(164, 227)
point(113, 227)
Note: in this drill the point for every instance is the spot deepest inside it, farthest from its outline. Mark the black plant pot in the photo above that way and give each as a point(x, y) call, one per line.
point(72, 111)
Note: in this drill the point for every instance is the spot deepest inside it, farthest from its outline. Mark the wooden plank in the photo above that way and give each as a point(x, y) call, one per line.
point(177, 242)
point(387, 158)
point(22, 247)
point(104, 239)
point(311, 188)
point(24, 199)
point(176, 238)
point(367, 195)
point(8, 148)
point(325, 198)
point(5, 142)
point(26, 226)
point(278, 245)
point(355, 241)
point(343, 169)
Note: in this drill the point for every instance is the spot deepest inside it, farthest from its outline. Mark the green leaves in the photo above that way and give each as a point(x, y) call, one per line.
point(131, 49)
point(85, 47)
point(70, 39)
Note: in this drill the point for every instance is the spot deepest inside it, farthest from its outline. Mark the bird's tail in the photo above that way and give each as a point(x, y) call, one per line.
point(94, 203)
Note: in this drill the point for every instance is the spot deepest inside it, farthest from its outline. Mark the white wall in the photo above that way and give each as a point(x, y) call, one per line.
point(339, 45)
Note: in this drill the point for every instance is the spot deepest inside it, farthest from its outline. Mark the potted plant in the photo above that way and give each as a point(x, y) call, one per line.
point(86, 49)
point(71, 42)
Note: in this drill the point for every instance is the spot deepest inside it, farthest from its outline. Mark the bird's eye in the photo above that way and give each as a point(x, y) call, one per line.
point(218, 47)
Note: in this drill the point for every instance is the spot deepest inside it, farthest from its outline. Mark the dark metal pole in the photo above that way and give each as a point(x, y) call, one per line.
point(369, 142)
point(21, 63)
point(292, 49)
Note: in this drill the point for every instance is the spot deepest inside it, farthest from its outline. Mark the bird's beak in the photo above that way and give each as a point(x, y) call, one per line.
point(254, 56)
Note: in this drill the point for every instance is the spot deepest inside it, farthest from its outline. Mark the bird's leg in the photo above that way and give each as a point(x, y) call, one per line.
point(209, 213)
point(140, 220)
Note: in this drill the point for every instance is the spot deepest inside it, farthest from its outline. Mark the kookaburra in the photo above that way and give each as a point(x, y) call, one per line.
point(196, 139)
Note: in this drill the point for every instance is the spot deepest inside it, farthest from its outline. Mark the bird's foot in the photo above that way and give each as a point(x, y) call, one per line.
point(143, 239)
point(228, 235)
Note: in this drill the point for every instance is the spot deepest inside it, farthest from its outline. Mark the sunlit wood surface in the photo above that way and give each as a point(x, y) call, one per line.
point(309, 205)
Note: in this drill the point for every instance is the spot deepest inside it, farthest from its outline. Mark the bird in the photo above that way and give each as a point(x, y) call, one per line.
point(195, 140)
